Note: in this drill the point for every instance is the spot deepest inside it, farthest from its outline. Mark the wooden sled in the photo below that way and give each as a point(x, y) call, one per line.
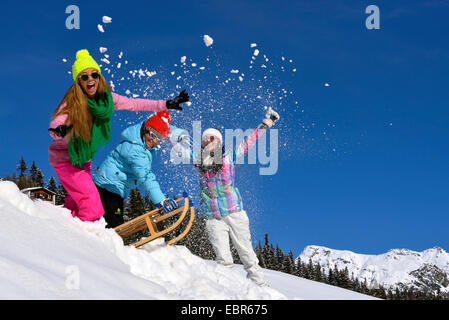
point(151, 218)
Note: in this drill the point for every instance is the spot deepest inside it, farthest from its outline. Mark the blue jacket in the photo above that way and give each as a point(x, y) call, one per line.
point(129, 165)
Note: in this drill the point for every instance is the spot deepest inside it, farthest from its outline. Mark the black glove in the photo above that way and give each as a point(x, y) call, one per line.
point(61, 131)
point(183, 96)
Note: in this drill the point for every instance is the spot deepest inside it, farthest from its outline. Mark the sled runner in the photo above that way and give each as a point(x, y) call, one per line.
point(150, 219)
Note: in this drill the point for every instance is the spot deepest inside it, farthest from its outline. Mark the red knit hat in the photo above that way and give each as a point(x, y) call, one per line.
point(160, 123)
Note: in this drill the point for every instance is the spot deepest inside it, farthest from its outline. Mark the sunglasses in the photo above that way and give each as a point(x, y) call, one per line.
point(208, 139)
point(154, 136)
point(94, 75)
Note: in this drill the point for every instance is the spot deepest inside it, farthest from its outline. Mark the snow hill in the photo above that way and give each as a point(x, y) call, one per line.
point(47, 254)
point(398, 268)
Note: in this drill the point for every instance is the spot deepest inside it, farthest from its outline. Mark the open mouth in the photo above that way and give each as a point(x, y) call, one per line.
point(91, 87)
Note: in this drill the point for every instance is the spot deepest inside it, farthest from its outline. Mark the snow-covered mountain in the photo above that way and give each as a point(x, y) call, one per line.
point(47, 254)
point(398, 268)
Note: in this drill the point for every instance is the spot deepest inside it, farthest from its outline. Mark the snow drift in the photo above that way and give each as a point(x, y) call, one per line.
point(47, 254)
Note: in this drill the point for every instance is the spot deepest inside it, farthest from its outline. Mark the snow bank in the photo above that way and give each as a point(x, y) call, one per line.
point(47, 254)
point(42, 249)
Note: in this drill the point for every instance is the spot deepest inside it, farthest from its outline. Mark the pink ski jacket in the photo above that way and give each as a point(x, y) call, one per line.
point(58, 149)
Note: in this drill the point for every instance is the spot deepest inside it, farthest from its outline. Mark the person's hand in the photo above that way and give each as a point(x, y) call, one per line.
point(271, 117)
point(182, 97)
point(167, 205)
point(61, 131)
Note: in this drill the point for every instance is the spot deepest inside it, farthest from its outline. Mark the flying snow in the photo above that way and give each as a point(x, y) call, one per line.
point(106, 19)
point(208, 41)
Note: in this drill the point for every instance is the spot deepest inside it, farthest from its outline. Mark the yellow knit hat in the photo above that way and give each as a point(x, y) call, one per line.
point(83, 61)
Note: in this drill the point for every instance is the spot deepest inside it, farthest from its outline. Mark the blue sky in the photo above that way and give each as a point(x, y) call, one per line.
point(362, 162)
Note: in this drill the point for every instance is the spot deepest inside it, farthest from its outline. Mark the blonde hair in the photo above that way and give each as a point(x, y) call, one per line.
point(77, 109)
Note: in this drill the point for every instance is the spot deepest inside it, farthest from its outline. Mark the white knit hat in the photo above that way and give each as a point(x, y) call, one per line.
point(213, 132)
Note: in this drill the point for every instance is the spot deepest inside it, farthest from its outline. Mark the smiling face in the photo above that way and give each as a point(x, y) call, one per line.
point(149, 141)
point(89, 79)
point(209, 142)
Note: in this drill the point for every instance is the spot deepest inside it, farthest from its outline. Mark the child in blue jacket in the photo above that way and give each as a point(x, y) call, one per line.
point(129, 166)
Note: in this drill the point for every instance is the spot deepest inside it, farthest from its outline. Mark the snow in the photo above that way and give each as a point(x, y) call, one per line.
point(103, 49)
point(390, 269)
point(100, 28)
point(47, 254)
point(208, 41)
point(106, 19)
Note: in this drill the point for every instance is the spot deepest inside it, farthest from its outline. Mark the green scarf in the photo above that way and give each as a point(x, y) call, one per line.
point(81, 151)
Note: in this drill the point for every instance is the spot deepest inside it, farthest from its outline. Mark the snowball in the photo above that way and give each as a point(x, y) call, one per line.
point(150, 73)
point(106, 19)
point(208, 40)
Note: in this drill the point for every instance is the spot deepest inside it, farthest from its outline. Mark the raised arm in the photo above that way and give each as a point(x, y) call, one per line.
point(124, 103)
point(271, 117)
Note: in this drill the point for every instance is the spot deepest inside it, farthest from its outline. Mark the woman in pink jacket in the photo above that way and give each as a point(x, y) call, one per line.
point(80, 124)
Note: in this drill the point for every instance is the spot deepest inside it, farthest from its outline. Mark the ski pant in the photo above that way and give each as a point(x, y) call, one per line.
point(83, 199)
point(236, 226)
point(113, 207)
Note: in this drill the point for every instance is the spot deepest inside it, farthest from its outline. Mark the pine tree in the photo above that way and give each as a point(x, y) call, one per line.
point(33, 172)
point(279, 259)
point(22, 167)
point(135, 204)
point(268, 254)
point(259, 254)
point(39, 179)
point(197, 240)
point(52, 185)
point(61, 194)
point(344, 281)
point(288, 264)
point(134, 207)
point(298, 268)
point(317, 275)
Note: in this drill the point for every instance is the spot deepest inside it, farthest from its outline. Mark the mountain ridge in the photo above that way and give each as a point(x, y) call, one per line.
point(402, 269)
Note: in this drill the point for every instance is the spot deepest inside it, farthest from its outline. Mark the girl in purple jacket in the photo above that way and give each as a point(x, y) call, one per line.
point(80, 124)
